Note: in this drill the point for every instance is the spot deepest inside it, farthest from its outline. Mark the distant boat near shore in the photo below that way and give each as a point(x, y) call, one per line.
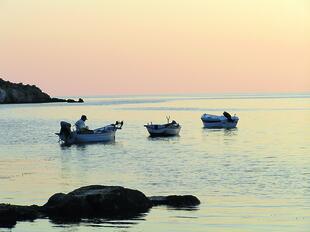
point(219, 121)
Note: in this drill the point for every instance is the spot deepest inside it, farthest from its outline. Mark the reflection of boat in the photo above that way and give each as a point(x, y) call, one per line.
point(103, 134)
point(223, 121)
point(168, 129)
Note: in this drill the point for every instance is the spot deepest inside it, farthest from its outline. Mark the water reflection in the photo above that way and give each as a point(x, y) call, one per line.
point(231, 132)
point(187, 208)
point(120, 221)
point(224, 131)
point(164, 138)
point(239, 172)
point(83, 146)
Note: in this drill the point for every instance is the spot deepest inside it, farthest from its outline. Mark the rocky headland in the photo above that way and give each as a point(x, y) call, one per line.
point(89, 202)
point(11, 93)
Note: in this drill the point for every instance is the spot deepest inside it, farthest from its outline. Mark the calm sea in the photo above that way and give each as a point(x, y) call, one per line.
point(253, 178)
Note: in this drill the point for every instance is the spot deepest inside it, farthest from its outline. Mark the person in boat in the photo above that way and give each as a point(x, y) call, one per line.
point(81, 126)
point(228, 116)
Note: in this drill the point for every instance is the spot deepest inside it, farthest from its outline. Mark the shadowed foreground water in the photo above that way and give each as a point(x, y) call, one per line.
point(253, 178)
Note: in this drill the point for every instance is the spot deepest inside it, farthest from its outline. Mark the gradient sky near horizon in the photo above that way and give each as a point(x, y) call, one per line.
point(94, 47)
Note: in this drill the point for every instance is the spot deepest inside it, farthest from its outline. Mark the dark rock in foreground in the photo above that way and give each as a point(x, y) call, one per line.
point(97, 201)
point(94, 201)
point(11, 93)
point(10, 214)
point(175, 200)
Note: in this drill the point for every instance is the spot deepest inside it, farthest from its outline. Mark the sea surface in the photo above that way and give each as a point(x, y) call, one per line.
point(250, 179)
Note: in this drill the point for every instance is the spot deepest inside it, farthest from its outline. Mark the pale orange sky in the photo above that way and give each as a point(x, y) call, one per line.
point(94, 47)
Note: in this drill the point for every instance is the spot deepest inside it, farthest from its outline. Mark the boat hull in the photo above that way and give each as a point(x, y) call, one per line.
point(164, 132)
point(213, 121)
point(157, 130)
point(220, 124)
point(95, 138)
point(103, 134)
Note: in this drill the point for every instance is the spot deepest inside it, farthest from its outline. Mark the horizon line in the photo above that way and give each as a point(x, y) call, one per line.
point(187, 94)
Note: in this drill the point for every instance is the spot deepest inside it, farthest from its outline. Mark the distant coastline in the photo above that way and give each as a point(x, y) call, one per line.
point(16, 93)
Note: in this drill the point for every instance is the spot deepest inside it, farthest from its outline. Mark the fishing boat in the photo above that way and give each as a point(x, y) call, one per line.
point(102, 134)
point(219, 121)
point(169, 129)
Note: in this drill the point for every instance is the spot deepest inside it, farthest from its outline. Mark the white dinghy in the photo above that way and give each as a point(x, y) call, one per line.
point(103, 134)
point(168, 129)
point(222, 121)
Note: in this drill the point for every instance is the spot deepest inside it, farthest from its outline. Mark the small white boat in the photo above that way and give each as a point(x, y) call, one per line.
point(103, 134)
point(168, 129)
point(222, 121)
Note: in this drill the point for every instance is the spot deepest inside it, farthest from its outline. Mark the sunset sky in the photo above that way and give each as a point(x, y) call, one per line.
point(104, 47)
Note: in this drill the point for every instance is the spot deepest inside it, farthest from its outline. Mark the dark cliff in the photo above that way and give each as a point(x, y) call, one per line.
point(20, 93)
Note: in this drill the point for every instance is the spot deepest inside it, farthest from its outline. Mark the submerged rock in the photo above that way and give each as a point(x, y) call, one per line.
point(175, 200)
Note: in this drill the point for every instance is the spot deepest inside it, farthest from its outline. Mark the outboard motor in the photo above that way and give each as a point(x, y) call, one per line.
point(119, 125)
point(65, 130)
point(228, 116)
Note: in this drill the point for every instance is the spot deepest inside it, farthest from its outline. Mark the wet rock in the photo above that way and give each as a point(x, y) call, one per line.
point(175, 200)
point(58, 100)
point(10, 214)
point(71, 101)
point(74, 101)
point(95, 201)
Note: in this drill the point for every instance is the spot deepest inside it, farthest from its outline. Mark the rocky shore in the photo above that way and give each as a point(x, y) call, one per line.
point(11, 93)
point(94, 201)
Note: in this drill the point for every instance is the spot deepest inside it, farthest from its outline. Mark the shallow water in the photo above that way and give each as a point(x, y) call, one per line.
point(253, 178)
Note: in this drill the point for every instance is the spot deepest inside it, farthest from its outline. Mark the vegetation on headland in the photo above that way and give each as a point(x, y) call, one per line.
point(11, 93)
